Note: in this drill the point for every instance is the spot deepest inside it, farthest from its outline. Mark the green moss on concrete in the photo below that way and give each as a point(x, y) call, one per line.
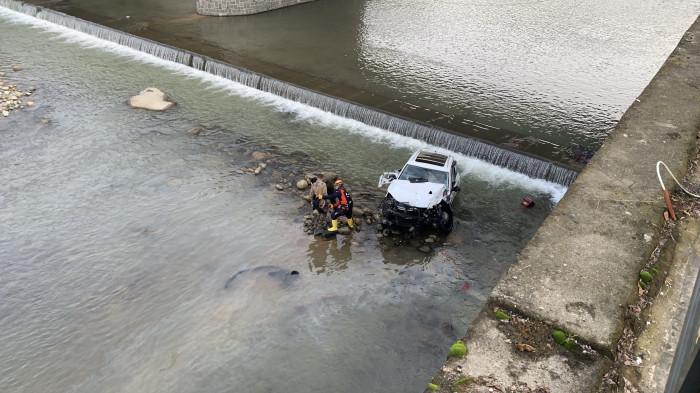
point(461, 381)
point(559, 337)
point(571, 346)
point(645, 276)
point(458, 349)
point(501, 315)
point(433, 386)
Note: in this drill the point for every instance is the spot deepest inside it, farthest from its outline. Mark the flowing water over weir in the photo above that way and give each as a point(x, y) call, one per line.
point(527, 165)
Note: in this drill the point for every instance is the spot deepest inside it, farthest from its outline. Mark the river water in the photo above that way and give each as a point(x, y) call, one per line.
point(563, 71)
point(119, 230)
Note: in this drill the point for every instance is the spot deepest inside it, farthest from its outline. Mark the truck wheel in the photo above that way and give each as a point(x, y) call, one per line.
point(387, 217)
point(384, 206)
point(445, 221)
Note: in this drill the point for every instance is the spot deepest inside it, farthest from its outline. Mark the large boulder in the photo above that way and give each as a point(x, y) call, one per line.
point(151, 99)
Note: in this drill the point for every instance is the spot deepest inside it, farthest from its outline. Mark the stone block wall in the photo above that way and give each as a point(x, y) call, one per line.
point(241, 7)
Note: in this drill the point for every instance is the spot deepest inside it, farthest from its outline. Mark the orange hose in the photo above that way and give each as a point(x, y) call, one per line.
point(668, 203)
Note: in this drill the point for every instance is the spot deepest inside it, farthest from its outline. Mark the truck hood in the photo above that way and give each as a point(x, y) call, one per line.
point(423, 195)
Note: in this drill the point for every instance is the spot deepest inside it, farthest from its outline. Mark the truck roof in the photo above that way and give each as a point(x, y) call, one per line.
point(432, 159)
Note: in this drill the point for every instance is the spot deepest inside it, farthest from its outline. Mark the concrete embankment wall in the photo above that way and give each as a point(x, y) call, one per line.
point(579, 274)
point(242, 7)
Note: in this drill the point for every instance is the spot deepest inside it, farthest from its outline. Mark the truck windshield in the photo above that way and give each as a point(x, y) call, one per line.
point(417, 174)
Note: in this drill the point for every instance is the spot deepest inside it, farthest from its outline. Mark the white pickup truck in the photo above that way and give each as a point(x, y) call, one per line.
point(420, 195)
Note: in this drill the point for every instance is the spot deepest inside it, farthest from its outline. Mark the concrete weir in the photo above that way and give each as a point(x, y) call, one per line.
point(580, 271)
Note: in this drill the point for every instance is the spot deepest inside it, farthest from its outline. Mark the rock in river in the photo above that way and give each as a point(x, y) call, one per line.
point(151, 99)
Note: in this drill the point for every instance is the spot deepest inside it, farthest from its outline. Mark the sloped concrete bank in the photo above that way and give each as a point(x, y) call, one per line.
point(580, 273)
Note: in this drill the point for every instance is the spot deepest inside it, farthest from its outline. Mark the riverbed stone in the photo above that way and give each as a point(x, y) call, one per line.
point(259, 155)
point(330, 176)
point(424, 249)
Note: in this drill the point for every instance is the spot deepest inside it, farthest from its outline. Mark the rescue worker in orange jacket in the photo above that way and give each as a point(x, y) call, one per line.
point(343, 206)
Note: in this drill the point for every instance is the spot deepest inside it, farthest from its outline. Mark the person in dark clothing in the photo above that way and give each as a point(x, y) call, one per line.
point(343, 206)
point(320, 206)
